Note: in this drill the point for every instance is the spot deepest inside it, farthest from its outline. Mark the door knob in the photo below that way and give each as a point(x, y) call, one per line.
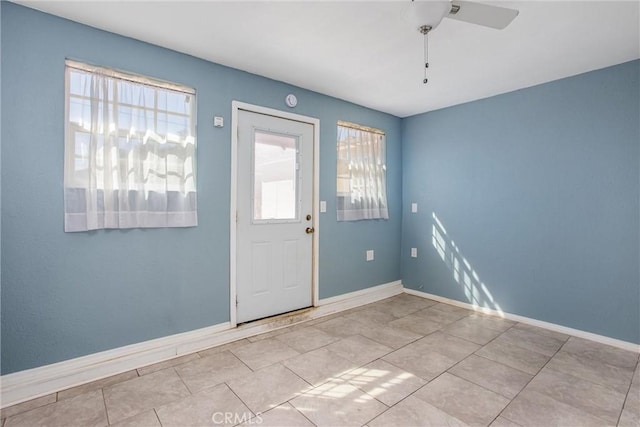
point(310, 230)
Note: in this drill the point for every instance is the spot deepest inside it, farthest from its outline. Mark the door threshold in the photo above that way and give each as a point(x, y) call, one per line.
point(281, 320)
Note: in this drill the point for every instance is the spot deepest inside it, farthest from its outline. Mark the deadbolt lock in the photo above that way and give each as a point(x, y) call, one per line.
point(308, 217)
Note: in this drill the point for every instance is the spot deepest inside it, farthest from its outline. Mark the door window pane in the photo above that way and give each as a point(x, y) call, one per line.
point(275, 192)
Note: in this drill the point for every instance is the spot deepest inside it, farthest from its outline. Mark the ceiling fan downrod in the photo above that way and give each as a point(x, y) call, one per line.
point(424, 30)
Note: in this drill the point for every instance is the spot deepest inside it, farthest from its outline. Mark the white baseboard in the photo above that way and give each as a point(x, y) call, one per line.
point(361, 297)
point(625, 345)
point(32, 383)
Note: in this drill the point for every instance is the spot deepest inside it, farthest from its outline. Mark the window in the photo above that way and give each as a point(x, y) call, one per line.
point(275, 170)
point(129, 151)
point(361, 174)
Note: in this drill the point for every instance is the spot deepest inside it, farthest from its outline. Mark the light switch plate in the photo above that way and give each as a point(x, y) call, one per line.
point(414, 252)
point(414, 207)
point(370, 255)
point(218, 122)
point(323, 205)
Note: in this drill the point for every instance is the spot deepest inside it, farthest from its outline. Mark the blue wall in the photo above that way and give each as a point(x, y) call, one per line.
point(67, 295)
point(538, 190)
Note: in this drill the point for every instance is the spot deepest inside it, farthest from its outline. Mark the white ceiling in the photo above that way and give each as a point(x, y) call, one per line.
point(369, 53)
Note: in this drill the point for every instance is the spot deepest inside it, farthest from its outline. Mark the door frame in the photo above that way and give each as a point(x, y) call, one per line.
point(236, 106)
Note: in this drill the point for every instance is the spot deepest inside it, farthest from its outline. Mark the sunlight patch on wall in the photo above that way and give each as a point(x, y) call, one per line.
point(475, 291)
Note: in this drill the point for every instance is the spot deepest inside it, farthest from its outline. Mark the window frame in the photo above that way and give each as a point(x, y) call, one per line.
point(158, 118)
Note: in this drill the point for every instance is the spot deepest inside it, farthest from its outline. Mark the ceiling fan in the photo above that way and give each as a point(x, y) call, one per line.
point(427, 15)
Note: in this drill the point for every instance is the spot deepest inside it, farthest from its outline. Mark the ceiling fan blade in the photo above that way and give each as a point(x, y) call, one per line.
point(482, 14)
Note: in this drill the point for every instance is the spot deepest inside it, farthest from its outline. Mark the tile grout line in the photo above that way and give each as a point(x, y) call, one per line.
point(241, 361)
point(529, 382)
point(474, 354)
point(287, 368)
point(522, 348)
point(415, 391)
point(155, 412)
point(480, 385)
point(500, 363)
point(412, 342)
point(104, 403)
point(181, 380)
point(153, 408)
point(289, 401)
point(272, 365)
point(240, 399)
point(387, 326)
point(610, 388)
point(298, 411)
point(504, 364)
point(464, 379)
point(628, 391)
point(339, 377)
point(32, 409)
point(198, 357)
point(354, 385)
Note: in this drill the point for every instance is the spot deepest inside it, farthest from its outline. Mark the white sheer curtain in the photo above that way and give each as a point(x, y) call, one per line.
point(361, 178)
point(129, 151)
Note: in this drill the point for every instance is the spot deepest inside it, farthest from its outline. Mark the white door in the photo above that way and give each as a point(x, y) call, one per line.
point(274, 222)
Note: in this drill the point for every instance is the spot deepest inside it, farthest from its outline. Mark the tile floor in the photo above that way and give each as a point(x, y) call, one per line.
point(403, 361)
